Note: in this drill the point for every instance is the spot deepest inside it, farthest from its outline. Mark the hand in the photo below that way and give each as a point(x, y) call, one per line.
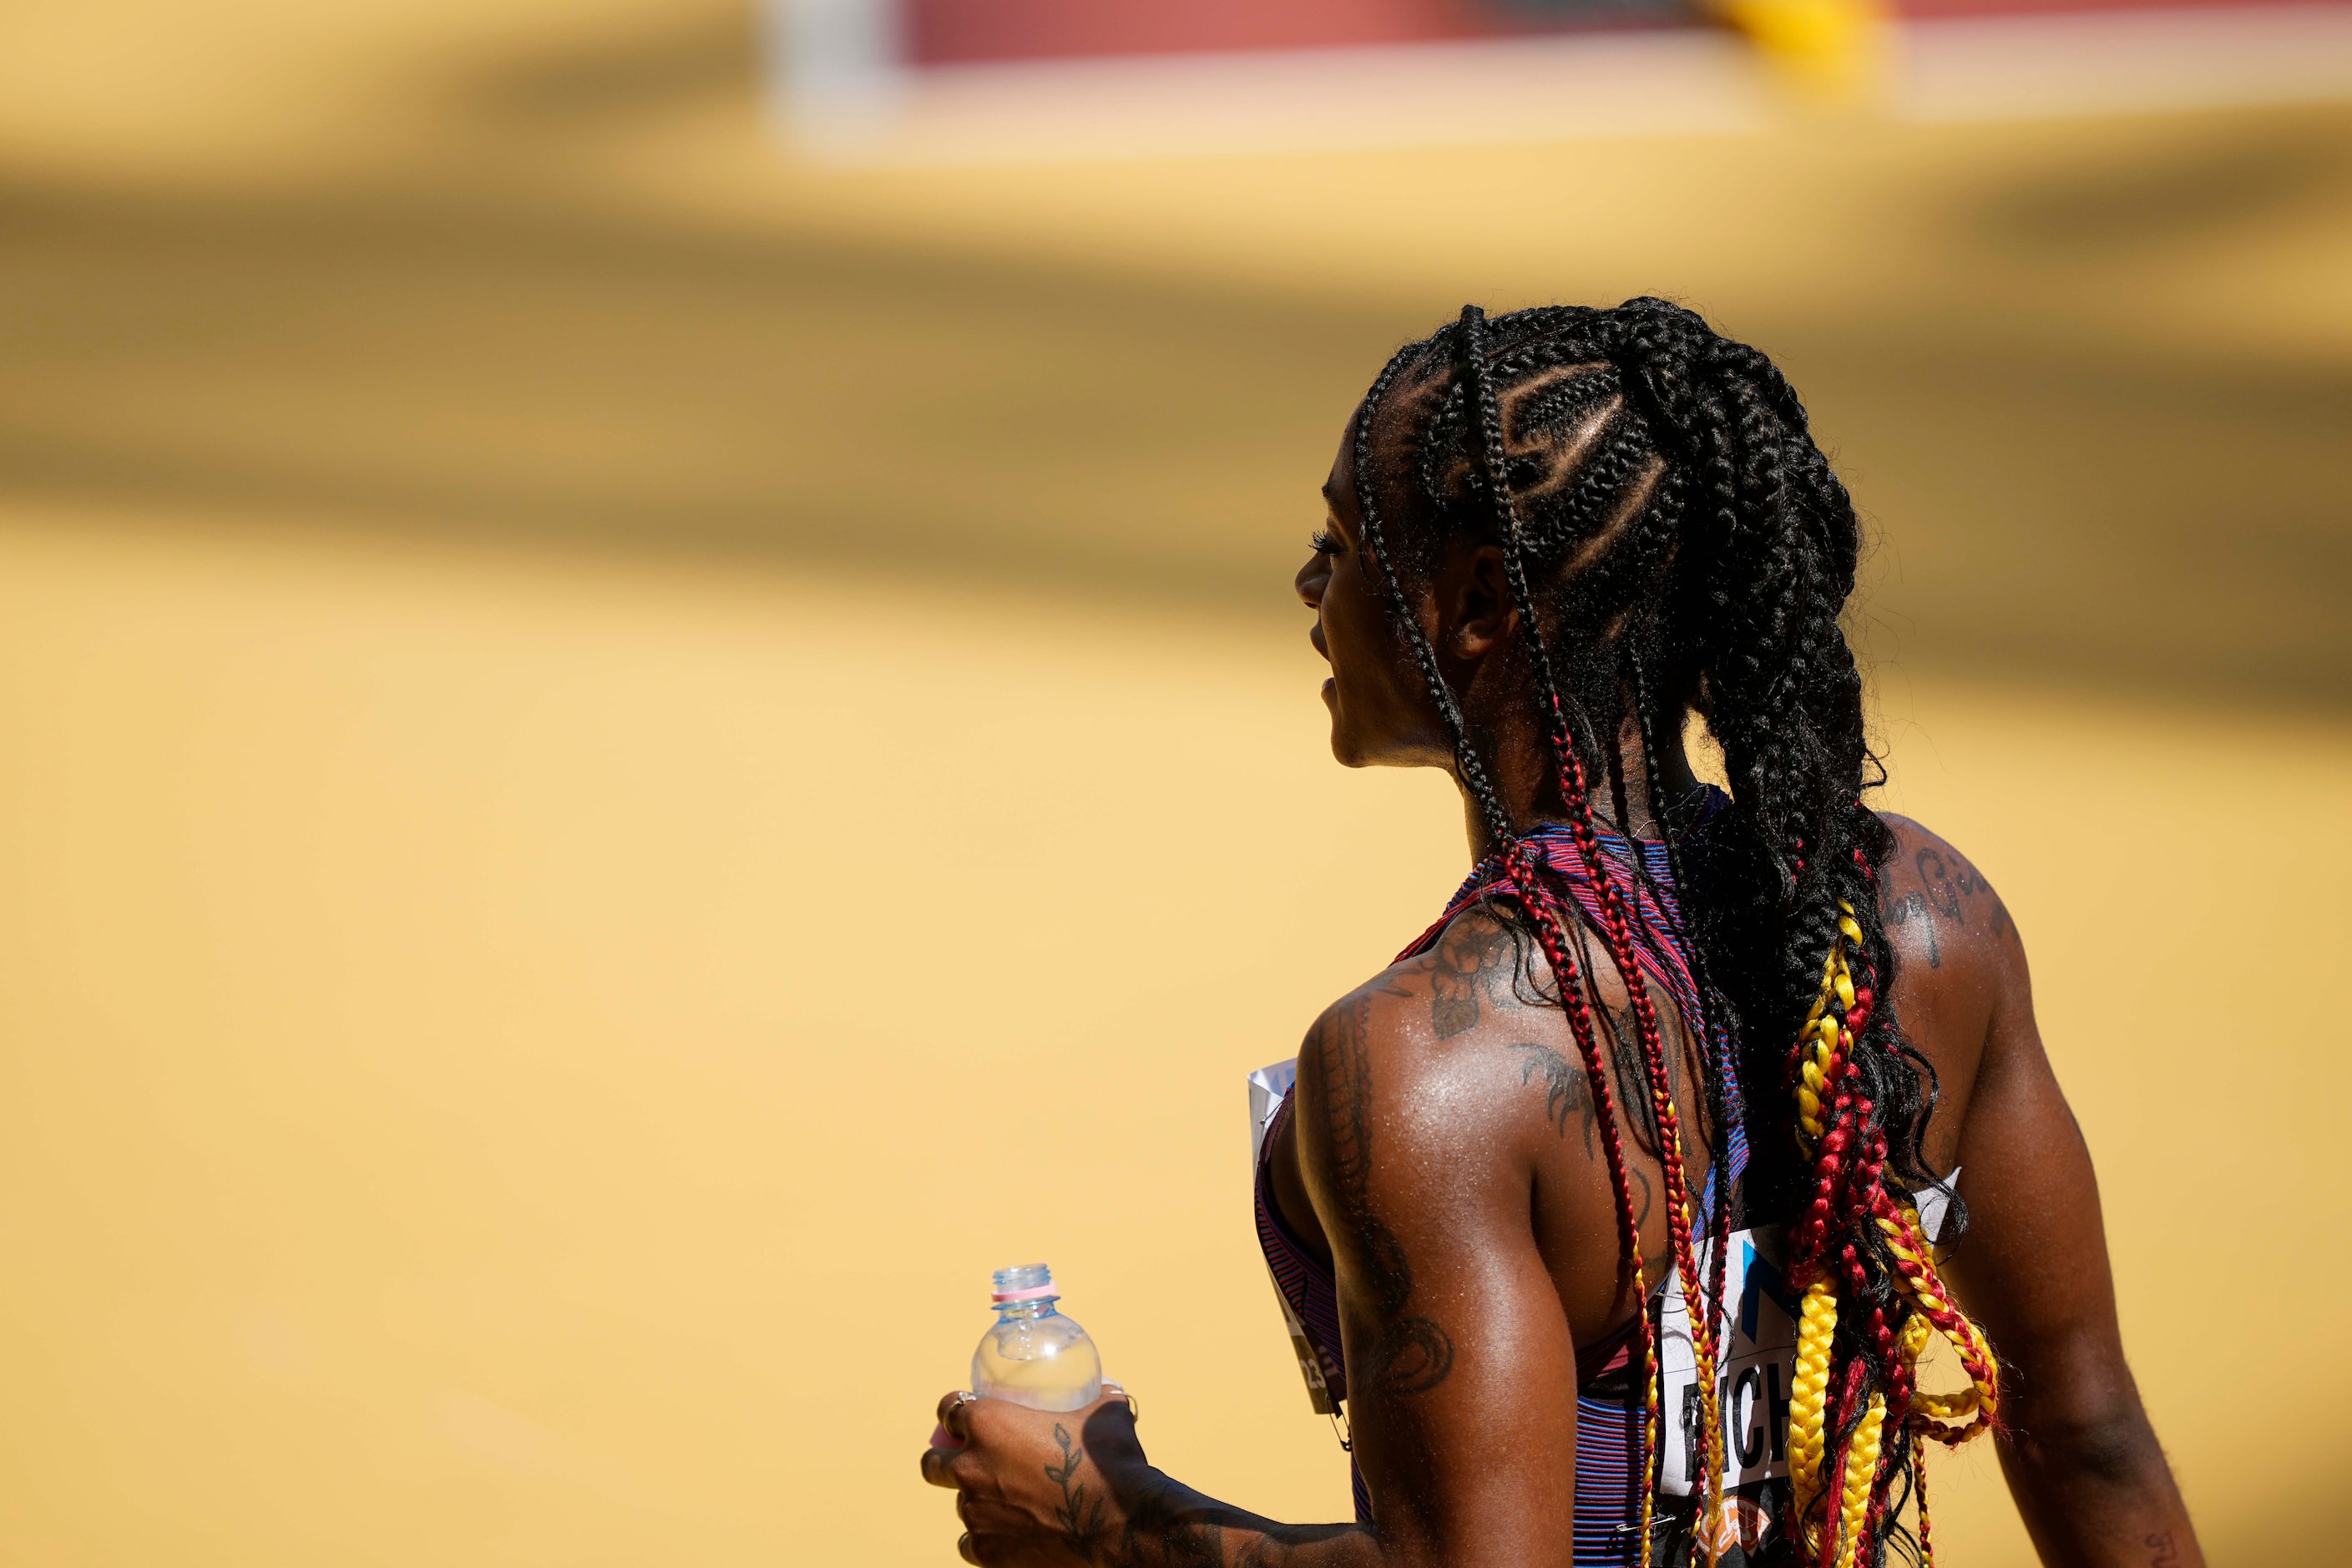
point(1036, 1488)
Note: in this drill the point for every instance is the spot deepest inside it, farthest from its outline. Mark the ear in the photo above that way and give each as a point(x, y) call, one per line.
point(1475, 614)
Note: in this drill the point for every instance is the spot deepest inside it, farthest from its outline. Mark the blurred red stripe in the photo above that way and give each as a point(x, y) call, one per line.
point(947, 32)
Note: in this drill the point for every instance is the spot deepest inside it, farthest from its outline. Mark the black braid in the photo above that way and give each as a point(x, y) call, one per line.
point(1465, 756)
point(1497, 484)
point(1721, 1066)
point(1676, 540)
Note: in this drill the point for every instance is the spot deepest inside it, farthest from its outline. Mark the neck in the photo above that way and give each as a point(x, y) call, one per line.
point(1526, 777)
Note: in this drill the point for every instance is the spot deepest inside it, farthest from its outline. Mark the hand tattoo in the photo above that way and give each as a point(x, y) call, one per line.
point(1079, 1514)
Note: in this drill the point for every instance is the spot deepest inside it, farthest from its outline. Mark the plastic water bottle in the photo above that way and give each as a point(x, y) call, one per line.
point(1032, 1354)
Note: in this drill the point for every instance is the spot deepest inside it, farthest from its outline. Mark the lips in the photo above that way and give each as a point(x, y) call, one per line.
point(1315, 636)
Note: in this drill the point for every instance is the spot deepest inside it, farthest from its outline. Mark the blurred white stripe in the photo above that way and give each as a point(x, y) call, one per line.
point(2015, 67)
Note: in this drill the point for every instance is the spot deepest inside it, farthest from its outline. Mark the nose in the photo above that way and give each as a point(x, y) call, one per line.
point(1309, 582)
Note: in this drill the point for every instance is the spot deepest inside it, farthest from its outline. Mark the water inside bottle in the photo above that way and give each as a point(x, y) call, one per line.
point(1032, 1354)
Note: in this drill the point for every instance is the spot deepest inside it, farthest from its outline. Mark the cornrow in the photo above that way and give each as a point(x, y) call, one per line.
point(1672, 538)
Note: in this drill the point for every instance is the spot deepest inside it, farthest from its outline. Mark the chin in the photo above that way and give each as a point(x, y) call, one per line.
point(1346, 749)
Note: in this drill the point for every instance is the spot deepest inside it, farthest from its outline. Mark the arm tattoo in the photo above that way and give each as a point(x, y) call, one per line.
point(1964, 880)
point(1949, 888)
point(1172, 1526)
point(1900, 912)
point(1564, 1089)
point(1274, 1548)
point(1079, 1514)
point(1411, 1355)
point(1160, 1533)
point(1476, 956)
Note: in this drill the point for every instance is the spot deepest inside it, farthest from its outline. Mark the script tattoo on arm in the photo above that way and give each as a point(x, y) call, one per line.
point(1949, 888)
point(1911, 905)
point(1476, 958)
point(1411, 1355)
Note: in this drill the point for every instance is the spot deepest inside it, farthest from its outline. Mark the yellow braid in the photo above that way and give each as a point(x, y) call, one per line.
point(1827, 1034)
point(1808, 1400)
point(1649, 1406)
point(1860, 1475)
point(1976, 1404)
point(1920, 1493)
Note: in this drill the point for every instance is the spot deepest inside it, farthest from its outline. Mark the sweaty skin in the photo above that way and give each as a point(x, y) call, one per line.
point(1443, 1159)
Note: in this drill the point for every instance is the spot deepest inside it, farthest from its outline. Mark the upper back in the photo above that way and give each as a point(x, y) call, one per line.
point(1457, 1065)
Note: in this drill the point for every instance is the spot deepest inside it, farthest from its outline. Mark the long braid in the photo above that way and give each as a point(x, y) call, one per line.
point(1493, 449)
point(1533, 897)
point(1688, 527)
point(1713, 1051)
point(1465, 755)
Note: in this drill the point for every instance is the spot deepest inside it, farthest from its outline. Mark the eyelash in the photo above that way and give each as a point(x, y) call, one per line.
point(1325, 542)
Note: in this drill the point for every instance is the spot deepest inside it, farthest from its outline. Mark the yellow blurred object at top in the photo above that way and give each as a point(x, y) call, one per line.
point(1833, 52)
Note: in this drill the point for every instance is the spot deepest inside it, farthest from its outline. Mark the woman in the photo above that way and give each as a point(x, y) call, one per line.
point(1770, 1052)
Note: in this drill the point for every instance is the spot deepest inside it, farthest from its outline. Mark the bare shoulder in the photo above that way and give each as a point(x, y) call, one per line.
point(1940, 910)
point(1961, 984)
point(1451, 1050)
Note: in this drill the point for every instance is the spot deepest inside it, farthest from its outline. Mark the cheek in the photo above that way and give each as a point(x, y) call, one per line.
point(1363, 638)
point(1349, 617)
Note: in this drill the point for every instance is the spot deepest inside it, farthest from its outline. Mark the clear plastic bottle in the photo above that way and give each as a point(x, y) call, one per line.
point(1032, 1354)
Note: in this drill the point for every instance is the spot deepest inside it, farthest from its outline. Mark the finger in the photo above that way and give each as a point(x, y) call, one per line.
point(982, 1548)
point(991, 1520)
point(953, 1420)
point(939, 1466)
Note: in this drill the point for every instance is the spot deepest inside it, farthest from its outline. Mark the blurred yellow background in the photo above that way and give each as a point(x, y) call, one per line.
point(625, 760)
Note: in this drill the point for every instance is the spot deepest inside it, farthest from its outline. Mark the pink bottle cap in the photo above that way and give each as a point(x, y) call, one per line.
point(1033, 1293)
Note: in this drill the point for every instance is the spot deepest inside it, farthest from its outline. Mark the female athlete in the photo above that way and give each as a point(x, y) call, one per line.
point(1700, 1171)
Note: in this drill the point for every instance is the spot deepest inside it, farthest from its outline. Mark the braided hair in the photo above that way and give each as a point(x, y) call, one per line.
point(1676, 542)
